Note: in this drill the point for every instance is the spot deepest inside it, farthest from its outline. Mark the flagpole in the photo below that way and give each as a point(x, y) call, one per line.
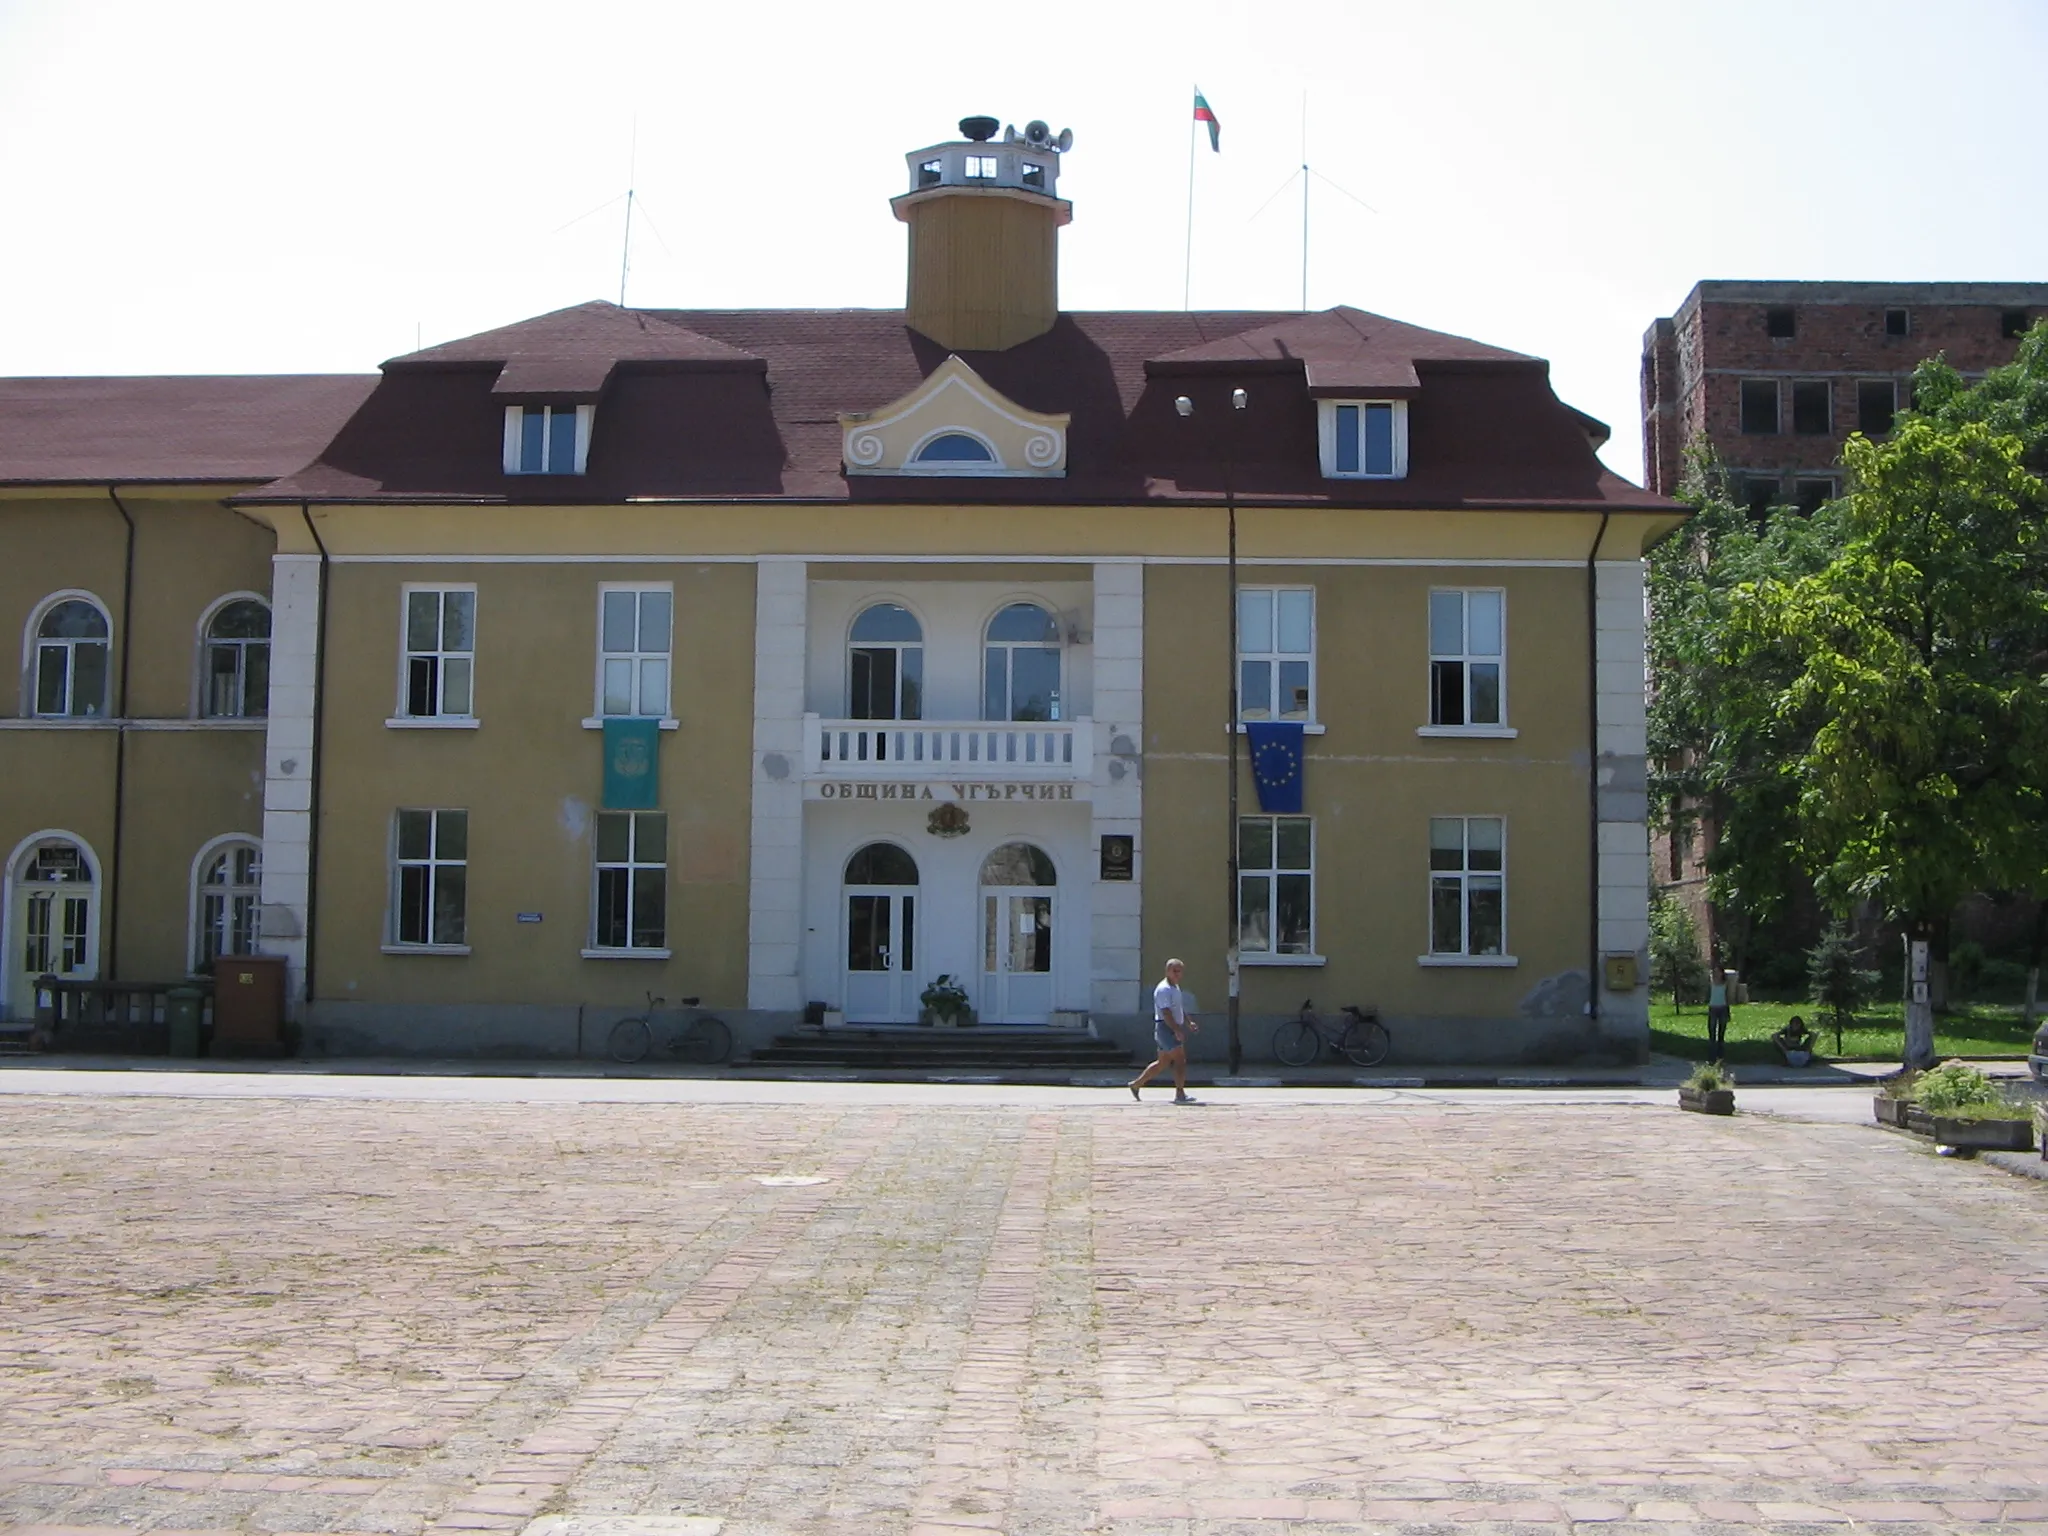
point(1187, 274)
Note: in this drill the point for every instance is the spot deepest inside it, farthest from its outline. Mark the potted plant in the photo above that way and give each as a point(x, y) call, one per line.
point(1960, 1107)
point(1709, 1091)
point(1894, 1099)
point(945, 1002)
point(1794, 1042)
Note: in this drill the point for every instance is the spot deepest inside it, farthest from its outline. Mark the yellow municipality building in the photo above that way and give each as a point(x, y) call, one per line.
point(796, 658)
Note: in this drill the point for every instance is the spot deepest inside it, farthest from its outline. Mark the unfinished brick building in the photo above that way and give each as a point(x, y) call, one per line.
point(1773, 377)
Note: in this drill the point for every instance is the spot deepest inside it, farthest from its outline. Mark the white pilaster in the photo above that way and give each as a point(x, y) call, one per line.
point(775, 867)
point(1622, 783)
point(288, 766)
point(1116, 958)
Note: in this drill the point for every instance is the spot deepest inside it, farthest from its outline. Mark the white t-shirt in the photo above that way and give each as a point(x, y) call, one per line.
point(1167, 996)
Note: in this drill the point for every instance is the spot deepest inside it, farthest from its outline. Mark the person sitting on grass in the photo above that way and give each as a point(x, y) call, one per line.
point(1795, 1036)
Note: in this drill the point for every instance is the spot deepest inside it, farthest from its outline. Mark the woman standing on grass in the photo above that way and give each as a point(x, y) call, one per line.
point(1717, 1014)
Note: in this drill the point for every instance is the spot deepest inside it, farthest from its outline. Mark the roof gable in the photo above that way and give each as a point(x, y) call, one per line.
point(954, 402)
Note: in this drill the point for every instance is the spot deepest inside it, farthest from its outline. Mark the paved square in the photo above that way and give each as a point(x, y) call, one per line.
point(859, 1316)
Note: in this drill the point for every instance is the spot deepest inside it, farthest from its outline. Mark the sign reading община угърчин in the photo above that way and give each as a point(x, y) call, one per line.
point(955, 790)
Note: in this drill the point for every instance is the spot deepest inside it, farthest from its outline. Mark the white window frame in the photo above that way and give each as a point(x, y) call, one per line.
point(433, 863)
point(32, 644)
point(230, 894)
point(515, 437)
point(1495, 729)
point(636, 657)
point(630, 866)
point(1272, 658)
point(441, 655)
point(1464, 876)
point(956, 468)
point(981, 167)
point(202, 693)
point(1061, 711)
point(1326, 433)
point(1271, 873)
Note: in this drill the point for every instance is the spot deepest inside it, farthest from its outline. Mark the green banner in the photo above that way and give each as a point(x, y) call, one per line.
point(632, 765)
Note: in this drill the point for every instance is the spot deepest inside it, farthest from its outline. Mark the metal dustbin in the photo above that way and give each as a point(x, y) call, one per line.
point(182, 1007)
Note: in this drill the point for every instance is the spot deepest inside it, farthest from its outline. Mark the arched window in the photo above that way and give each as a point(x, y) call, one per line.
point(71, 661)
point(954, 448)
point(881, 864)
point(1018, 864)
point(1021, 665)
point(227, 903)
point(53, 929)
point(887, 664)
point(237, 680)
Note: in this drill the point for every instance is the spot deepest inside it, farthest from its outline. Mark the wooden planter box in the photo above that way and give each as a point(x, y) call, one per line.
point(1889, 1111)
point(1715, 1101)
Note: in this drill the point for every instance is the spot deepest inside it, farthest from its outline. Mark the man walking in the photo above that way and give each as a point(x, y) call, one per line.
point(1171, 1027)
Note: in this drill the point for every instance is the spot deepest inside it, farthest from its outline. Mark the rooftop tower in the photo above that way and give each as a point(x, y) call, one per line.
point(984, 223)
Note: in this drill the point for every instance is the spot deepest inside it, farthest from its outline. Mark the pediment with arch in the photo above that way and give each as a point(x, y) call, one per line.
point(954, 424)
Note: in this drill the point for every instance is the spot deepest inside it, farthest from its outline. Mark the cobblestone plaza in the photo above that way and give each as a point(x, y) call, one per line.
point(863, 1316)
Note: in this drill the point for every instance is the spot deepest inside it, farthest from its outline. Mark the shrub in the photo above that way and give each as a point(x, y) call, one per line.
point(1675, 963)
point(1954, 1086)
point(1706, 1077)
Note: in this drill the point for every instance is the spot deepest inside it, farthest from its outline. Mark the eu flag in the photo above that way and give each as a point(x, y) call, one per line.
point(1276, 763)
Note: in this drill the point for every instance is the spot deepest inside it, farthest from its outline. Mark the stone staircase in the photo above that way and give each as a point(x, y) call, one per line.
point(907, 1048)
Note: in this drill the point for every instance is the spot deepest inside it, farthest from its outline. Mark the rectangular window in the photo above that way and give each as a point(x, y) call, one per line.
point(1758, 493)
point(1034, 175)
point(1276, 653)
point(1276, 885)
point(1811, 492)
point(981, 168)
point(440, 653)
point(929, 173)
point(1877, 401)
point(1467, 644)
point(433, 878)
point(630, 906)
point(1365, 439)
point(1812, 407)
point(633, 650)
point(1759, 406)
point(1467, 885)
point(1780, 324)
point(2012, 324)
point(1898, 322)
point(547, 439)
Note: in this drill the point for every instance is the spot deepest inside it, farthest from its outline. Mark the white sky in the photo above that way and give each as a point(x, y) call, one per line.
point(274, 186)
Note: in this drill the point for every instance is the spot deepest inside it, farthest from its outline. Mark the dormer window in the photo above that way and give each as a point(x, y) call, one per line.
point(1364, 439)
point(955, 448)
point(980, 168)
point(547, 439)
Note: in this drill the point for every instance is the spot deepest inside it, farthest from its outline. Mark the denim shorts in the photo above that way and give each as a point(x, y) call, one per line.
point(1163, 1037)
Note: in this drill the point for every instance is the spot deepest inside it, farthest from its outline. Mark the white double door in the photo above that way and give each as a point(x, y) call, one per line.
point(51, 929)
point(1016, 955)
point(881, 954)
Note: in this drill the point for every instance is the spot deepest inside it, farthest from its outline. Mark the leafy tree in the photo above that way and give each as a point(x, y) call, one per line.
point(1676, 965)
point(1716, 744)
point(1837, 978)
point(1917, 708)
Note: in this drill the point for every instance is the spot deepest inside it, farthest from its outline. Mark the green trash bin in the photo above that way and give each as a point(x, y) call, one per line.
point(181, 1013)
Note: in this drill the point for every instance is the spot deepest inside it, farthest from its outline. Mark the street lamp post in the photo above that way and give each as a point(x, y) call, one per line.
point(1186, 407)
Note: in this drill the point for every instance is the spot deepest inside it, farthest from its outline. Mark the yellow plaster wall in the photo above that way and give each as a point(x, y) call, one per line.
point(1372, 785)
point(531, 777)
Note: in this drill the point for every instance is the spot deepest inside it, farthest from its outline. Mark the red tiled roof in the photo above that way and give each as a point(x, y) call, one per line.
point(191, 429)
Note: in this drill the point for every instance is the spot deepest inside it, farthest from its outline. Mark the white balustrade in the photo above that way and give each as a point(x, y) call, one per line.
point(906, 749)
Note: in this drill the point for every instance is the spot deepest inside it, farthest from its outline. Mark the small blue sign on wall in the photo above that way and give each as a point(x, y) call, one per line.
point(632, 763)
point(528, 917)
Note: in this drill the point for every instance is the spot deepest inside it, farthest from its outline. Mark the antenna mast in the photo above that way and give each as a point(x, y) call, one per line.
point(626, 245)
point(1304, 202)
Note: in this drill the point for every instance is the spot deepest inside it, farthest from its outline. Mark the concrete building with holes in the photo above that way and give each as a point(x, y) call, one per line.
point(795, 659)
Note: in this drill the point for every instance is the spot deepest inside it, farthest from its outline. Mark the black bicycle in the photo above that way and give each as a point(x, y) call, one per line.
point(1363, 1038)
point(701, 1039)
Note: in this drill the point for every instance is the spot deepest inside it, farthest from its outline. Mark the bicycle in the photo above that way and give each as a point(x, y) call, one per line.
point(1363, 1039)
point(702, 1041)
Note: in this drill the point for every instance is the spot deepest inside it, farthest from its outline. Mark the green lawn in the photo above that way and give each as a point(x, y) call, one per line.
point(1974, 1029)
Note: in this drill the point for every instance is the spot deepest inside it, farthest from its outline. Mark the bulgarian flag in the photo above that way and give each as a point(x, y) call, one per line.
point(1204, 113)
